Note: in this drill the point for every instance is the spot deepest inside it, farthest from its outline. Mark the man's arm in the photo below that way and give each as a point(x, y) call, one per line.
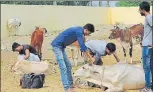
point(149, 20)
point(27, 54)
point(13, 65)
point(83, 47)
point(116, 57)
point(97, 56)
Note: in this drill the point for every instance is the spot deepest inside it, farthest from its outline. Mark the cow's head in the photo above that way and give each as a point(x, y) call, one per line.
point(41, 28)
point(87, 71)
point(114, 32)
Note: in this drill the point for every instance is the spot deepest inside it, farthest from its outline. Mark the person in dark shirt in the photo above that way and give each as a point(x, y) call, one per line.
point(26, 52)
point(59, 44)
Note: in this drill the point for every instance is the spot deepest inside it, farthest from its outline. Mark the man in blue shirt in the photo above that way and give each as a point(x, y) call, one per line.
point(59, 44)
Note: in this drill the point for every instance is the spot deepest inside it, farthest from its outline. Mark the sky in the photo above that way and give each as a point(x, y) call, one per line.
point(112, 3)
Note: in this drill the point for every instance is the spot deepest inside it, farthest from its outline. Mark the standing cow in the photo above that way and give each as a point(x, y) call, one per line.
point(125, 36)
point(37, 39)
point(116, 78)
point(13, 25)
point(75, 51)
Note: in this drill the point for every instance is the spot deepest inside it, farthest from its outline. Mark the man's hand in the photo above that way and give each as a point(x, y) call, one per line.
point(116, 57)
point(11, 67)
point(150, 45)
point(27, 54)
point(141, 44)
point(88, 57)
point(91, 59)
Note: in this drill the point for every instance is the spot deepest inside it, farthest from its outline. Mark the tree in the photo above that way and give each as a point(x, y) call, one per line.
point(129, 3)
point(67, 3)
point(83, 3)
point(100, 3)
point(108, 3)
point(28, 2)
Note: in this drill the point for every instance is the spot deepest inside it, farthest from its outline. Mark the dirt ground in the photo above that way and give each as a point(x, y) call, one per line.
point(10, 81)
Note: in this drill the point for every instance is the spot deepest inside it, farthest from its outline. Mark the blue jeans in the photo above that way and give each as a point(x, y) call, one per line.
point(65, 67)
point(146, 53)
point(151, 66)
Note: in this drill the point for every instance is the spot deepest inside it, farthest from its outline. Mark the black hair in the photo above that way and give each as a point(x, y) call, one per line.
point(89, 27)
point(145, 6)
point(15, 45)
point(111, 47)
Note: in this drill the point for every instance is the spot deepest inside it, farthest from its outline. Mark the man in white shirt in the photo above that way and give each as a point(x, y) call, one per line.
point(100, 48)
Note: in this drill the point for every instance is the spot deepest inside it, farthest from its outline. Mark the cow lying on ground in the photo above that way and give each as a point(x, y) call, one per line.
point(26, 67)
point(125, 37)
point(116, 77)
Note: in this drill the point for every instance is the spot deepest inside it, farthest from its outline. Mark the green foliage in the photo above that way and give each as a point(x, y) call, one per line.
point(68, 3)
point(28, 2)
point(129, 3)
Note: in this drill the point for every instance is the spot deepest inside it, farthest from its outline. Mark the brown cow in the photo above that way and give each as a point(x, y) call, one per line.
point(125, 36)
point(37, 39)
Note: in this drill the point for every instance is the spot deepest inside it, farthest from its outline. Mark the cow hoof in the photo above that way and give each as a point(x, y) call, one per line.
point(104, 88)
point(55, 63)
point(91, 84)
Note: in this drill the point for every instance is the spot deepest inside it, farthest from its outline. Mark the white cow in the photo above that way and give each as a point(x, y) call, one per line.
point(116, 77)
point(25, 67)
point(75, 52)
point(12, 25)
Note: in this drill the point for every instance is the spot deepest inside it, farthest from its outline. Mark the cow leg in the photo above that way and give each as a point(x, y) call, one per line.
point(124, 50)
point(16, 30)
point(72, 55)
point(11, 31)
point(77, 56)
point(130, 52)
point(37, 49)
point(40, 51)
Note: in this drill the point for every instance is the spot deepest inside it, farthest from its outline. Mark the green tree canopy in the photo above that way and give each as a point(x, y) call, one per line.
point(68, 3)
point(130, 3)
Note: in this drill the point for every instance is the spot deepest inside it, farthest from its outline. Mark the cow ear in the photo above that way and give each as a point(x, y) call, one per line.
point(126, 28)
point(83, 67)
point(36, 27)
point(95, 72)
point(115, 26)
